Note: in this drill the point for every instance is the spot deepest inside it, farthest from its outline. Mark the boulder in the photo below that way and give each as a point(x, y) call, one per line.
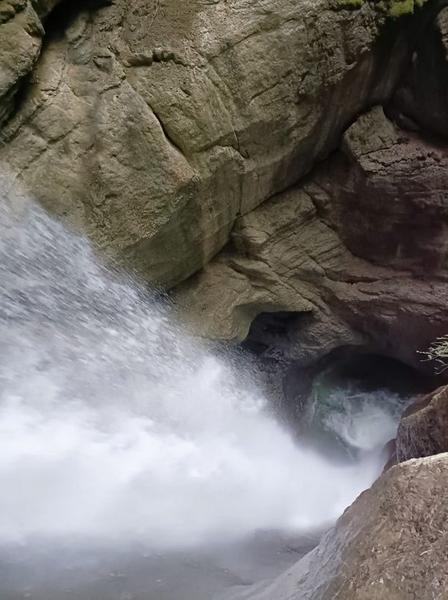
point(152, 125)
point(391, 544)
point(423, 429)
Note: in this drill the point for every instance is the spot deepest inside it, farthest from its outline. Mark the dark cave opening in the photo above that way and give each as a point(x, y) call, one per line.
point(64, 13)
point(346, 402)
point(346, 384)
point(270, 332)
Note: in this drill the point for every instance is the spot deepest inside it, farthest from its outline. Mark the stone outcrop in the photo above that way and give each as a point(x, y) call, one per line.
point(357, 252)
point(152, 125)
point(423, 429)
point(391, 544)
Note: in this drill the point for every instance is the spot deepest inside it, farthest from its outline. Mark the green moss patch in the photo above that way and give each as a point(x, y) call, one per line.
point(393, 8)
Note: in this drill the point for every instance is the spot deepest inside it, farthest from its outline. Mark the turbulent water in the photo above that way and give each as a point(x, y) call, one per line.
point(364, 420)
point(115, 426)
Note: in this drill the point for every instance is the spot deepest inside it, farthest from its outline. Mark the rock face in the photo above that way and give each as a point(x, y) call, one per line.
point(391, 544)
point(153, 125)
point(340, 251)
point(423, 429)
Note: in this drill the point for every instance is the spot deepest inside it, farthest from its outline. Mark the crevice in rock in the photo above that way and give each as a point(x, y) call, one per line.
point(419, 101)
point(166, 133)
point(381, 91)
point(63, 15)
point(271, 331)
point(55, 25)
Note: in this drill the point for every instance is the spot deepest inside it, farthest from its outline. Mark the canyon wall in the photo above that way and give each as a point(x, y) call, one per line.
point(153, 128)
point(280, 166)
point(259, 157)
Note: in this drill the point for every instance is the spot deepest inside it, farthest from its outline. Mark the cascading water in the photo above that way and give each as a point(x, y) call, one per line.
point(117, 427)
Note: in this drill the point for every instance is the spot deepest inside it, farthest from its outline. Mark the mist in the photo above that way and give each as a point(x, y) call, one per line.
point(115, 425)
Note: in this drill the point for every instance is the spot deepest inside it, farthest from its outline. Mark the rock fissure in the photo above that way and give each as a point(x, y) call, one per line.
point(168, 137)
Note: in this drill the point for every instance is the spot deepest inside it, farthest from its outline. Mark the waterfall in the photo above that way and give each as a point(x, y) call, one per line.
point(116, 425)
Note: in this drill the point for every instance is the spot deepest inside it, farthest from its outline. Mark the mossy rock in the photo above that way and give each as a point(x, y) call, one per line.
point(392, 8)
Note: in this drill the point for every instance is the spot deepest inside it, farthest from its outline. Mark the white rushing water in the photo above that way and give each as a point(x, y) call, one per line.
point(116, 425)
point(365, 420)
